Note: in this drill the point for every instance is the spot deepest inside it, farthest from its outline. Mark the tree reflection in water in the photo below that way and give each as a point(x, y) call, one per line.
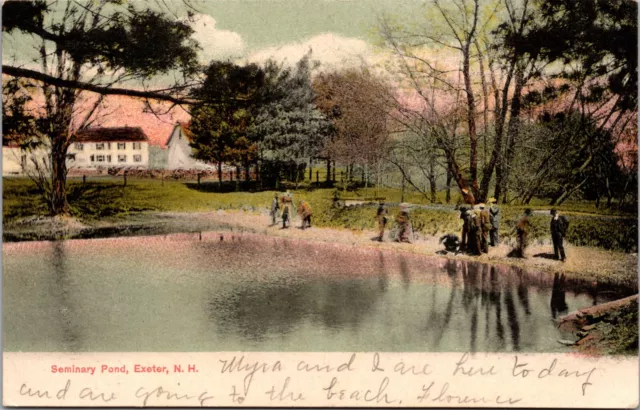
point(62, 292)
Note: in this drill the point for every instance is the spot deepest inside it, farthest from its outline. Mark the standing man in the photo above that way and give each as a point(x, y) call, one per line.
point(474, 238)
point(494, 214)
point(559, 225)
point(381, 218)
point(286, 211)
point(404, 224)
point(523, 228)
point(275, 209)
point(465, 228)
point(485, 227)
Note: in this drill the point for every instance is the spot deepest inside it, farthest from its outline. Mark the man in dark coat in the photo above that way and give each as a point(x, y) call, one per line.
point(465, 228)
point(494, 214)
point(474, 240)
point(559, 225)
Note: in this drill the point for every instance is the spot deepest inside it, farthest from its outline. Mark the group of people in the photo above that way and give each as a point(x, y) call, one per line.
point(480, 230)
point(282, 208)
point(405, 230)
point(480, 227)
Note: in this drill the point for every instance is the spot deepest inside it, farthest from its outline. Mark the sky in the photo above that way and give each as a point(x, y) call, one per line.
point(339, 32)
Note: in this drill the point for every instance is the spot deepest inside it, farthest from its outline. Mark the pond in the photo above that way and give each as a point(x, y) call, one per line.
point(244, 292)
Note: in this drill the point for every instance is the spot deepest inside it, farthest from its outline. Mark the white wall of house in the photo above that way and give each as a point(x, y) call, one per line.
point(179, 152)
point(110, 154)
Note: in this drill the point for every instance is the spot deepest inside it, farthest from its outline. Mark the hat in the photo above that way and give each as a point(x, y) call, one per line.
point(491, 200)
point(554, 211)
point(465, 190)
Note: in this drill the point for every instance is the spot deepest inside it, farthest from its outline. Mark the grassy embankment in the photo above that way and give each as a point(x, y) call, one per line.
point(106, 198)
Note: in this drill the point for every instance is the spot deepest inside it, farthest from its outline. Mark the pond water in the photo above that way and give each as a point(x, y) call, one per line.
point(224, 292)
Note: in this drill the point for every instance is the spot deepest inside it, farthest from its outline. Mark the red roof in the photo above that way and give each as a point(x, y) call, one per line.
point(111, 134)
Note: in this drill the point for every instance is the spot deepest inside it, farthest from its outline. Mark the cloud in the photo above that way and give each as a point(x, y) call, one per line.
point(216, 44)
point(331, 50)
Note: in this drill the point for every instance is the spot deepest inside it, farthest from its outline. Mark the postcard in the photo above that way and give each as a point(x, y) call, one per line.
point(332, 203)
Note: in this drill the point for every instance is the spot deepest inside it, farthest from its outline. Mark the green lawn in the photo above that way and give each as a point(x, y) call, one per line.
point(106, 197)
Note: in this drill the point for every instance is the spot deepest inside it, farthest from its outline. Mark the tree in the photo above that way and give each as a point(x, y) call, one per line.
point(221, 131)
point(456, 29)
point(91, 45)
point(358, 104)
point(289, 127)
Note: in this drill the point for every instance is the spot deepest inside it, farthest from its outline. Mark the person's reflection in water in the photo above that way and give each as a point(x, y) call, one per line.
point(558, 297)
point(404, 272)
point(495, 298)
point(383, 280)
point(512, 318)
point(70, 334)
point(523, 291)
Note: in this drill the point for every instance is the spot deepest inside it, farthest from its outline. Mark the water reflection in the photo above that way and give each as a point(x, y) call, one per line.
point(558, 296)
point(254, 293)
point(63, 296)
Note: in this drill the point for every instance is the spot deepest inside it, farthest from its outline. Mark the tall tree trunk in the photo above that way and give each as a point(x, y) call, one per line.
point(448, 194)
point(432, 180)
point(59, 204)
point(485, 103)
point(310, 170)
point(471, 120)
point(220, 172)
point(502, 175)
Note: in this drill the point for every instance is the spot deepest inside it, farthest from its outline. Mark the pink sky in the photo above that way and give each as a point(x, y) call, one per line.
point(120, 111)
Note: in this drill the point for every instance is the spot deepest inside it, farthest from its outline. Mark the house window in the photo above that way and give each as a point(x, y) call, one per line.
point(79, 146)
point(108, 145)
point(122, 158)
point(92, 158)
point(137, 158)
point(122, 145)
point(99, 145)
point(99, 158)
point(108, 158)
point(137, 145)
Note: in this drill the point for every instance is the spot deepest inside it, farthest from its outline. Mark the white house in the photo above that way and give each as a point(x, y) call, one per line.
point(110, 147)
point(93, 148)
point(180, 152)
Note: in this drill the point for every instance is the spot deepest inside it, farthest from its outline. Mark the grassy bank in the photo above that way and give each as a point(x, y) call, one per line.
point(106, 197)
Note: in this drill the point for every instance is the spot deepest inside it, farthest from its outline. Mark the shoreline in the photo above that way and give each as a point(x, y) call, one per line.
point(599, 266)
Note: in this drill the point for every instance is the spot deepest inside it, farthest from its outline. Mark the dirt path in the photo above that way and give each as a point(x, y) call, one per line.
point(592, 264)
